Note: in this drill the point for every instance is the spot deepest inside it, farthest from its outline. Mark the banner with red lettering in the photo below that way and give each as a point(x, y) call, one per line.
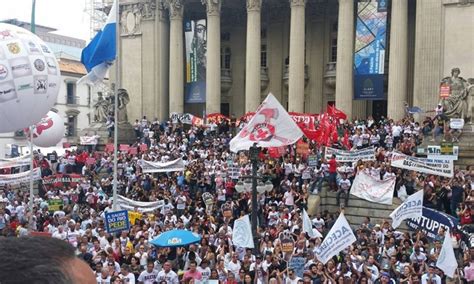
point(62, 181)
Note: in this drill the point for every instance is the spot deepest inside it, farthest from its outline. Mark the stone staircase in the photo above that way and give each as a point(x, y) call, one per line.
point(356, 210)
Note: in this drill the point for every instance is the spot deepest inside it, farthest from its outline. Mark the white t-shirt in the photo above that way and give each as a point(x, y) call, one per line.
point(147, 277)
point(294, 281)
point(435, 279)
point(205, 272)
point(171, 277)
point(130, 277)
point(289, 198)
point(103, 281)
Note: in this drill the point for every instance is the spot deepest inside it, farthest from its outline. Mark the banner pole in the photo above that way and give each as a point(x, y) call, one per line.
point(116, 87)
point(31, 175)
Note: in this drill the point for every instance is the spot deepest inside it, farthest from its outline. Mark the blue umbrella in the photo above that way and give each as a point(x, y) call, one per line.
point(176, 238)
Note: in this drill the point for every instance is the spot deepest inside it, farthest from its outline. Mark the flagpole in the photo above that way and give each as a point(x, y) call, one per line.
point(116, 88)
point(32, 127)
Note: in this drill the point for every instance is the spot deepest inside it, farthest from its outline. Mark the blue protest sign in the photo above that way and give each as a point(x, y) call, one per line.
point(116, 221)
point(297, 263)
point(431, 221)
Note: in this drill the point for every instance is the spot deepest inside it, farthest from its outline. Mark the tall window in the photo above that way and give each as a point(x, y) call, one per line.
point(225, 57)
point(71, 126)
point(70, 93)
point(333, 55)
point(263, 55)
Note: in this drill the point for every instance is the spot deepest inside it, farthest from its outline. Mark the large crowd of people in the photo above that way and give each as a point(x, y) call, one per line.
point(381, 254)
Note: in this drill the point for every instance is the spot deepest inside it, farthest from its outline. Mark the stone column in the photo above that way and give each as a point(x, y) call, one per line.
point(297, 50)
point(428, 47)
point(162, 61)
point(176, 85)
point(345, 50)
point(252, 59)
point(397, 74)
point(213, 65)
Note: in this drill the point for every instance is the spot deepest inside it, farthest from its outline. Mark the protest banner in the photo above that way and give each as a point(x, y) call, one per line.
point(62, 181)
point(124, 147)
point(142, 207)
point(434, 152)
point(54, 205)
point(90, 161)
point(345, 156)
point(446, 148)
point(233, 172)
point(158, 167)
point(297, 263)
point(430, 222)
point(411, 207)
point(339, 237)
point(89, 140)
point(133, 150)
point(20, 177)
point(133, 216)
point(242, 233)
point(66, 145)
point(287, 242)
point(143, 147)
point(116, 221)
point(456, 123)
point(444, 91)
point(439, 166)
point(312, 160)
point(373, 189)
point(109, 147)
point(185, 118)
point(15, 162)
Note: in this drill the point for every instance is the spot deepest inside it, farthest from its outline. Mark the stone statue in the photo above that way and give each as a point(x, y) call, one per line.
point(456, 105)
point(470, 100)
point(123, 100)
point(101, 109)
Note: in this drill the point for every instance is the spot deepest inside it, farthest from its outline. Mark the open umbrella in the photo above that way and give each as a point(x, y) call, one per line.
point(176, 238)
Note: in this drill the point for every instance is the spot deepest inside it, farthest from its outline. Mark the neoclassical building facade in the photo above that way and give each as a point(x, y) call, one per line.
point(302, 51)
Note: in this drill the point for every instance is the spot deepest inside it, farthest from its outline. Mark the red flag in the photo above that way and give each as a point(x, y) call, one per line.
point(334, 112)
point(345, 140)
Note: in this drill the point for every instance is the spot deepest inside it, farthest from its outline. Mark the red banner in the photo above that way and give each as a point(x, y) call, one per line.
point(124, 147)
point(216, 117)
point(109, 147)
point(133, 150)
point(143, 147)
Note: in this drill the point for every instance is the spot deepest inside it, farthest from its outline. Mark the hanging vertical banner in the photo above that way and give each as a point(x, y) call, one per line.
point(369, 50)
point(195, 33)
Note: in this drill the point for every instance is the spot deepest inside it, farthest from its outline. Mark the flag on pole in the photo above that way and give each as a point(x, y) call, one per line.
point(101, 52)
point(308, 227)
point(412, 207)
point(334, 112)
point(446, 259)
point(242, 233)
point(271, 126)
point(339, 238)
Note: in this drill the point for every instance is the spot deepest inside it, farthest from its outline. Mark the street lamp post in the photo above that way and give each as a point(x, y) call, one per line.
point(253, 153)
point(252, 184)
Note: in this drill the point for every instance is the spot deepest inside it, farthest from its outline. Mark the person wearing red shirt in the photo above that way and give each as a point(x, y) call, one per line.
point(332, 173)
point(81, 161)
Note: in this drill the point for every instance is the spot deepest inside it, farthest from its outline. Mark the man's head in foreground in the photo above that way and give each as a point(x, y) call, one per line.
point(41, 260)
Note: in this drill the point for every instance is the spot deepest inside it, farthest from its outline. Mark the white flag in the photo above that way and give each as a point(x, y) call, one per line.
point(271, 126)
point(412, 207)
point(446, 259)
point(242, 233)
point(372, 189)
point(308, 227)
point(339, 237)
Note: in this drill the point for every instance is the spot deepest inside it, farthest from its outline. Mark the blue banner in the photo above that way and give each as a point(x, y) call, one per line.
point(195, 33)
point(117, 221)
point(431, 221)
point(297, 264)
point(369, 50)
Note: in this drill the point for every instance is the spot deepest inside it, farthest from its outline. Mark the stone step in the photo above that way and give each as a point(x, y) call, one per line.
point(358, 209)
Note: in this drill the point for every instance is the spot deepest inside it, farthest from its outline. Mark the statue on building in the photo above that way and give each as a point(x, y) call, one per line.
point(456, 105)
point(123, 100)
point(101, 109)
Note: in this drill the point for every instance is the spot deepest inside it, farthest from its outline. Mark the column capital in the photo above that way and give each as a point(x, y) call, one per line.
point(254, 5)
point(297, 3)
point(213, 7)
point(161, 10)
point(175, 8)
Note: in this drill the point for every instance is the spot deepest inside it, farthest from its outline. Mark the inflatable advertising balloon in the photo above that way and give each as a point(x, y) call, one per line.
point(29, 78)
point(49, 131)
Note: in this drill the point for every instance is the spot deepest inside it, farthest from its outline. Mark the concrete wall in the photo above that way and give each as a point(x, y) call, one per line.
point(458, 49)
